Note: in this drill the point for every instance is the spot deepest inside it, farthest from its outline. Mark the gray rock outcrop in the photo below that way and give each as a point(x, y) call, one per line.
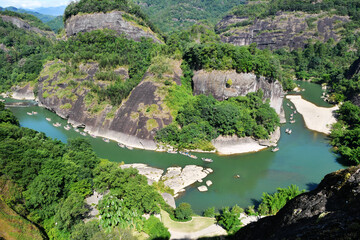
point(112, 20)
point(214, 83)
point(23, 93)
point(26, 26)
point(331, 211)
point(291, 30)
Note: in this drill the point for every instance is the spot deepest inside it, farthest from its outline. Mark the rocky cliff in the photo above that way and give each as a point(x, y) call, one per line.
point(115, 20)
point(291, 30)
point(215, 83)
point(23, 92)
point(134, 123)
point(331, 211)
point(26, 26)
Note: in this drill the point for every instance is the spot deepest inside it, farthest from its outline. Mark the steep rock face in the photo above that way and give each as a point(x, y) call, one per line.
point(26, 26)
point(112, 20)
point(331, 211)
point(214, 83)
point(290, 30)
point(134, 123)
point(26, 92)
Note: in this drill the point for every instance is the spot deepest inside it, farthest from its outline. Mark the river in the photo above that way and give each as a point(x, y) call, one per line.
point(304, 159)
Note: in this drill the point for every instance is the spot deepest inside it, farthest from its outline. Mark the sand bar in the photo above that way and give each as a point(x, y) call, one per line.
point(316, 118)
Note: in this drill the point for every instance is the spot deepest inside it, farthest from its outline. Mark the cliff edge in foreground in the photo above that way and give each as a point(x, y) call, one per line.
point(331, 211)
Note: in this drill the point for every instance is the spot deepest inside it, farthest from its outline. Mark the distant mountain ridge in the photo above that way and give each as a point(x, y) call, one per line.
point(53, 11)
point(53, 21)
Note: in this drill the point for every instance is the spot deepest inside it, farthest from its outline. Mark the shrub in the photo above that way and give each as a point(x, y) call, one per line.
point(271, 204)
point(230, 221)
point(183, 211)
point(210, 212)
point(156, 229)
point(229, 83)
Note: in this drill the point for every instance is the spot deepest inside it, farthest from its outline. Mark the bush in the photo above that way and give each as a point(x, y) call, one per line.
point(156, 229)
point(271, 204)
point(229, 220)
point(210, 212)
point(237, 210)
point(183, 211)
point(229, 83)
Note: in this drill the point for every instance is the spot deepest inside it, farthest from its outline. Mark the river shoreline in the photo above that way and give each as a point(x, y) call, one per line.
point(224, 145)
point(319, 119)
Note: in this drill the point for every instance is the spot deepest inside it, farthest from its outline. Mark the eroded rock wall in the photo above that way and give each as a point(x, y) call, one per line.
point(214, 83)
point(291, 30)
point(112, 20)
point(134, 123)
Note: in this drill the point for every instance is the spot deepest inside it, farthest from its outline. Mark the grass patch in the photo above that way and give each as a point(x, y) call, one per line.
point(134, 116)
point(196, 224)
point(161, 65)
point(151, 124)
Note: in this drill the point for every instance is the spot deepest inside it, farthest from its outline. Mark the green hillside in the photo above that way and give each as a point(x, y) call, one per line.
point(176, 15)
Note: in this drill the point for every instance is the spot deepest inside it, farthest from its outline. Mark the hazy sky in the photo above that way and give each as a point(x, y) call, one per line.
point(33, 3)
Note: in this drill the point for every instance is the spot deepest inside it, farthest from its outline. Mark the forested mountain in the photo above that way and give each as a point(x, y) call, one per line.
point(176, 15)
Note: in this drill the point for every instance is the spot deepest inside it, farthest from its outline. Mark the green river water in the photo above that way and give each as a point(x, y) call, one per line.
point(304, 159)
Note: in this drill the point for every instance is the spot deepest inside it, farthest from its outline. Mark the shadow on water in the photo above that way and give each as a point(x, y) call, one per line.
point(345, 162)
point(311, 186)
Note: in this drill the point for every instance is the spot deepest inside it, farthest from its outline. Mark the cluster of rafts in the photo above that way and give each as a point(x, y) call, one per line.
point(187, 154)
point(68, 127)
point(288, 130)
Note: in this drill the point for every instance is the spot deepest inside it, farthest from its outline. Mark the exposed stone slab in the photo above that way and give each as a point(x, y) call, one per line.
point(202, 188)
point(178, 179)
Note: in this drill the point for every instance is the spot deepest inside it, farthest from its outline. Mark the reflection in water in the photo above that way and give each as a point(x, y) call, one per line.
point(304, 159)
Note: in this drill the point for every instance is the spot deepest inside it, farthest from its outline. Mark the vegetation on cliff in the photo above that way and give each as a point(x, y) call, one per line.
point(110, 51)
point(203, 118)
point(21, 56)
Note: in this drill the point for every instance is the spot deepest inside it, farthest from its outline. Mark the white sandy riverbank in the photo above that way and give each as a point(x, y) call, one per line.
point(233, 145)
point(316, 118)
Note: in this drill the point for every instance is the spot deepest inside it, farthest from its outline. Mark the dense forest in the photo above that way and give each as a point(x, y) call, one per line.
point(52, 179)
